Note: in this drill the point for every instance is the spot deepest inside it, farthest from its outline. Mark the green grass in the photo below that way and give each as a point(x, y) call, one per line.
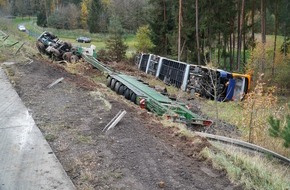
point(230, 112)
point(50, 137)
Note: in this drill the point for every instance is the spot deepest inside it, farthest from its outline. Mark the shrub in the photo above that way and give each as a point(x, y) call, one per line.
point(259, 105)
point(280, 128)
point(103, 55)
point(144, 43)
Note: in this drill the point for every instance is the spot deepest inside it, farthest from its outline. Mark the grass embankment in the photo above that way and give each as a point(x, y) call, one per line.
point(252, 171)
point(14, 44)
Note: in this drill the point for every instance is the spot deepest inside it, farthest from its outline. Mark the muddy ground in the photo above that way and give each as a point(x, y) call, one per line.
point(139, 153)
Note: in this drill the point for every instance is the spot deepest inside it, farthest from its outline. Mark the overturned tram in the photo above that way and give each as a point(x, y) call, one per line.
point(196, 79)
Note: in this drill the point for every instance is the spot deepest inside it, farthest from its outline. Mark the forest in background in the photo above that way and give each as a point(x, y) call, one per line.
point(242, 36)
point(223, 33)
point(221, 29)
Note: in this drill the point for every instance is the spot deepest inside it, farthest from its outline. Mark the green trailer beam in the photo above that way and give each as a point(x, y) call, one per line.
point(93, 61)
point(155, 102)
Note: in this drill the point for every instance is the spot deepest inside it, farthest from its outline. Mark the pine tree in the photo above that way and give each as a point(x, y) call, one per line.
point(115, 44)
point(162, 25)
point(41, 16)
point(278, 130)
point(95, 11)
point(116, 48)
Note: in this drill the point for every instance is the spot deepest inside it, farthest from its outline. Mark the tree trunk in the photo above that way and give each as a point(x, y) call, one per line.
point(209, 43)
point(253, 23)
point(263, 20)
point(225, 50)
point(244, 40)
point(285, 41)
point(196, 32)
point(219, 48)
point(231, 52)
point(179, 29)
point(241, 22)
point(239, 38)
point(263, 31)
point(244, 49)
point(165, 21)
point(234, 43)
point(275, 39)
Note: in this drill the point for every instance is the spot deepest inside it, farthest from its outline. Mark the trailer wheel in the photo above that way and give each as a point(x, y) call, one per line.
point(74, 50)
point(121, 89)
point(113, 81)
point(117, 86)
point(67, 56)
point(133, 98)
point(74, 59)
point(109, 81)
point(40, 47)
point(127, 94)
point(54, 54)
point(125, 88)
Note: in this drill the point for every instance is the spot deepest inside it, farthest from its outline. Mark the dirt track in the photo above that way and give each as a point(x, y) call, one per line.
point(137, 154)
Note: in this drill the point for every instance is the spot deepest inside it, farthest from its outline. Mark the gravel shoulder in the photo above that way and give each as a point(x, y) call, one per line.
point(139, 153)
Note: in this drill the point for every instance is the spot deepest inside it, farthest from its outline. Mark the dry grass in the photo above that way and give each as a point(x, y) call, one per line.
point(84, 139)
point(77, 68)
point(87, 176)
point(252, 171)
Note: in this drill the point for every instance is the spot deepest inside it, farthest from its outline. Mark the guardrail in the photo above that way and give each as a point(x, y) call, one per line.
point(243, 144)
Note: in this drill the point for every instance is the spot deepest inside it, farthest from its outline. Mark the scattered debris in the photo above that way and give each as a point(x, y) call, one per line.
point(30, 60)
point(114, 121)
point(18, 48)
point(55, 82)
point(8, 63)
